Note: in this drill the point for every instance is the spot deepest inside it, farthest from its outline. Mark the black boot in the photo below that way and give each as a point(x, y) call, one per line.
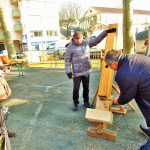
point(75, 107)
point(146, 131)
point(87, 104)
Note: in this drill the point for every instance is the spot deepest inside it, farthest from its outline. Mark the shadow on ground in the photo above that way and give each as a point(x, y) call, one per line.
point(41, 114)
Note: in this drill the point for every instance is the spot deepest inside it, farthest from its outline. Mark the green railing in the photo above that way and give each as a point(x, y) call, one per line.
point(15, 1)
point(18, 27)
point(16, 14)
point(2, 36)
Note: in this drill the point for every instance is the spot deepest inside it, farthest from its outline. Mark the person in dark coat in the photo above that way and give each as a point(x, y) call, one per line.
point(78, 64)
point(146, 146)
point(133, 79)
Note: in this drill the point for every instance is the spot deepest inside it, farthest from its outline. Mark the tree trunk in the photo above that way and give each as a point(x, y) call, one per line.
point(128, 39)
point(7, 35)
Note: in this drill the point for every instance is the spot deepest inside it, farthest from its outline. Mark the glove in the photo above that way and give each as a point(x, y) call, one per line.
point(69, 75)
point(111, 30)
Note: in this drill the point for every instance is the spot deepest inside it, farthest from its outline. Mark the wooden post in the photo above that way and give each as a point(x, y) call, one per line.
point(102, 115)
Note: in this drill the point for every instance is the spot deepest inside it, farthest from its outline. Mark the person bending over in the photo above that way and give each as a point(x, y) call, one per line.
point(133, 79)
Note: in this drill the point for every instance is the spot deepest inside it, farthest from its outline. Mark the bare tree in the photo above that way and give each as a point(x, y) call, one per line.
point(69, 13)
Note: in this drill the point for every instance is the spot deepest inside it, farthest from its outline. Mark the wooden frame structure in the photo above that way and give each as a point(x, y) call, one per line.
point(102, 115)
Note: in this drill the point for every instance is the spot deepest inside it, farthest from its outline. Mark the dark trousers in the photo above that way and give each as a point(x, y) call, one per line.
point(146, 146)
point(76, 87)
point(145, 109)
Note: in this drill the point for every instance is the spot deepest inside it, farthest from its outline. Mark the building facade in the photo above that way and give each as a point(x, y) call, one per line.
point(33, 24)
point(11, 14)
point(40, 20)
point(97, 18)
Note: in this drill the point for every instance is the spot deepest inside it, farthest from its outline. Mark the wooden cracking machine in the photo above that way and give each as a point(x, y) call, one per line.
point(102, 115)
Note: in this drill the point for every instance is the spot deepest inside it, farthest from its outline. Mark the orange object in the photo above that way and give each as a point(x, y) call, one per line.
point(4, 59)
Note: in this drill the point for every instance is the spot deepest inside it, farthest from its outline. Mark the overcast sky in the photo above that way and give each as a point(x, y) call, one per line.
point(137, 4)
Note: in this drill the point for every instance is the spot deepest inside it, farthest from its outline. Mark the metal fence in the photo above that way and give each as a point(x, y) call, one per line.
point(55, 58)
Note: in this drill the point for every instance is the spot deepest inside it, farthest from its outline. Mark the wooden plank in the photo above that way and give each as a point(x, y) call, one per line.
point(103, 104)
point(94, 99)
point(117, 110)
point(106, 134)
point(96, 115)
point(106, 80)
point(131, 106)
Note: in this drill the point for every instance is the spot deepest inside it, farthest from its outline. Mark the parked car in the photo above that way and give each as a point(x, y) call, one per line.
point(4, 52)
point(51, 46)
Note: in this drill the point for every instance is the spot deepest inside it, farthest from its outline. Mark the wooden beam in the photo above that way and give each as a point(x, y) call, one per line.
point(106, 134)
point(94, 99)
point(118, 110)
point(103, 103)
point(106, 81)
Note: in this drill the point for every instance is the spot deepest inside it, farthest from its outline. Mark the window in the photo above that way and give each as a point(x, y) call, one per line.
point(31, 33)
point(36, 33)
point(2, 46)
point(51, 33)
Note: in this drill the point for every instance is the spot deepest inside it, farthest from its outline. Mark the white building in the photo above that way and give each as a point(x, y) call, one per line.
point(98, 17)
point(32, 23)
point(40, 20)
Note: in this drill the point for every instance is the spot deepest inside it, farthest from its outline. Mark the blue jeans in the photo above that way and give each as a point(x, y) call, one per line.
point(76, 87)
point(145, 109)
point(146, 146)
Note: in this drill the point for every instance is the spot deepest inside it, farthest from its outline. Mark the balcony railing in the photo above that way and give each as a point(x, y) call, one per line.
point(16, 13)
point(2, 36)
point(18, 27)
point(15, 2)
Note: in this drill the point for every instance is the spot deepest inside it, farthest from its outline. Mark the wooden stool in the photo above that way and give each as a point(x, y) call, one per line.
point(100, 118)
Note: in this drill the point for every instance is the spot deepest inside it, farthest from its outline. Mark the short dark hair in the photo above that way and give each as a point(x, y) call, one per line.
point(78, 35)
point(112, 56)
